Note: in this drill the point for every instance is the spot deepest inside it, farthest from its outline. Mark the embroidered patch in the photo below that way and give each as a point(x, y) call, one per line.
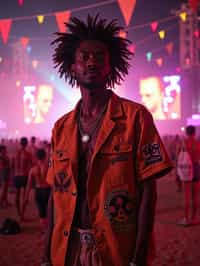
point(61, 182)
point(119, 208)
point(151, 153)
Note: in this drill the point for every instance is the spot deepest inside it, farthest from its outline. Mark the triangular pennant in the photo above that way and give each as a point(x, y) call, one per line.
point(62, 17)
point(196, 34)
point(24, 41)
point(154, 26)
point(169, 47)
point(132, 48)
point(20, 2)
point(127, 7)
point(183, 16)
point(149, 56)
point(40, 19)
point(35, 64)
point(122, 34)
point(194, 4)
point(161, 34)
point(159, 61)
point(5, 26)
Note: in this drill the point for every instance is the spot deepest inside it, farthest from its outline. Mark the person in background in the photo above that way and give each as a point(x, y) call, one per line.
point(32, 148)
point(191, 188)
point(4, 176)
point(37, 175)
point(106, 156)
point(22, 166)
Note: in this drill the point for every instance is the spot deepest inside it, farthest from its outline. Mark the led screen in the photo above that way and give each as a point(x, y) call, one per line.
point(37, 103)
point(161, 96)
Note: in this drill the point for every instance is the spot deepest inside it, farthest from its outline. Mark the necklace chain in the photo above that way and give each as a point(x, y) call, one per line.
point(85, 137)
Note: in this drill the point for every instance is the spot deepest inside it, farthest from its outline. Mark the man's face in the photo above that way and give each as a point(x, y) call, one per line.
point(91, 64)
point(45, 97)
point(151, 95)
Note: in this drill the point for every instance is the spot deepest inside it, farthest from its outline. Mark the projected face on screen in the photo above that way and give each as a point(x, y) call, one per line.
point(37, 103)
point(161, 96)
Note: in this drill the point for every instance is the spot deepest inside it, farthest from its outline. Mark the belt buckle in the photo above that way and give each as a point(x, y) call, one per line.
point(86, 238)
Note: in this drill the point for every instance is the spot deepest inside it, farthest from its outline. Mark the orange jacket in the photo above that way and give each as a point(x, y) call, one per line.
point(128, 150)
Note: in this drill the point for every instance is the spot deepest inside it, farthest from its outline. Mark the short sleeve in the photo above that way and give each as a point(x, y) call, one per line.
point(152, 159)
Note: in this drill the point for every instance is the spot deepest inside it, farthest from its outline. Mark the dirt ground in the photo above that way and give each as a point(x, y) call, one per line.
point(176, 245)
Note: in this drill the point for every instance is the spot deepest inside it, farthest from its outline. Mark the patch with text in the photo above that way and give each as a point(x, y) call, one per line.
point(151, 153)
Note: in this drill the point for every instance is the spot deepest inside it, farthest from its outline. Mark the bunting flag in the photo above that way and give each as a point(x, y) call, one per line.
point(149, 56)
point(159, 61)
point(122, 34)
point(5, 26)
point(28, 49)
point(183, 16)
point(196, 34)
point(132, 48)
point(18, 83)
point(24, 41)
point(161, 34)
point(127, 7)
point(40, 19)
point(169, 47)
point(35, 64)
point(62, 17)
point(194, 4)
point(20, 2)
point(154, 26)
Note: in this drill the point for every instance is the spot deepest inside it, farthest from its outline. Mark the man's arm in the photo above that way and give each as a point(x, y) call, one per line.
point(50, 215)
point(146, 214)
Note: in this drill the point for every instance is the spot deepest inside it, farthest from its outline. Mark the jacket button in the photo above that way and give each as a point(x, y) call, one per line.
point(74, 193)
point(65, 233)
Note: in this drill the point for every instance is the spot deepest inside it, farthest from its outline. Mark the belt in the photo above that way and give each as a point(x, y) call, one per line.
point(86, 235)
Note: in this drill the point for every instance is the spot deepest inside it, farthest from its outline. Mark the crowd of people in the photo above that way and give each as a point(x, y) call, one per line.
point(23, 167)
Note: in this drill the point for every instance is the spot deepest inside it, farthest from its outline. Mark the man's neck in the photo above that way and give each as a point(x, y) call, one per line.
point(93, 101)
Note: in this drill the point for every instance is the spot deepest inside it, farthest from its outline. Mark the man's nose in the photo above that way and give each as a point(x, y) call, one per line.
point(92, 61)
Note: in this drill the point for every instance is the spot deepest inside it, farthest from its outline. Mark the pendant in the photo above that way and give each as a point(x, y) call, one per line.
point(85, 138)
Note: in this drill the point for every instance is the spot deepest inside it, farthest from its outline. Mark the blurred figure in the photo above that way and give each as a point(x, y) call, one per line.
point(152, 97)
point(4, 175)
point(33, 148)
point(37, 175)
point(191, 188)
point(175, 147)
point(22, 165)
point(43, 103)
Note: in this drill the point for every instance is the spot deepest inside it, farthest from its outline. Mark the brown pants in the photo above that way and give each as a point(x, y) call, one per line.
point(82, 249)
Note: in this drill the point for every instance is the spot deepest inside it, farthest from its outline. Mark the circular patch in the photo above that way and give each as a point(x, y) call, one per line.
point(119, 207)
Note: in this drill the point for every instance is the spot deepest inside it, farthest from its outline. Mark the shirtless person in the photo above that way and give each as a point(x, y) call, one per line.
point(22, 165)
point(37, 175)
point(4, 175)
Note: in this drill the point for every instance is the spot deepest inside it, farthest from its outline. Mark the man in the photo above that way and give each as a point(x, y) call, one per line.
point(37, 175)
point(106, 155)
point(152, 97)
point(22, 165)
point(191, 187)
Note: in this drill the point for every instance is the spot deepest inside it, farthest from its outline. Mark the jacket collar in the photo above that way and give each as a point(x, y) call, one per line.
point(113, 112)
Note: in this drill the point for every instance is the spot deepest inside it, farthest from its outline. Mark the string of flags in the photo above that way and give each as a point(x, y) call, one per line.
point(127, 8)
